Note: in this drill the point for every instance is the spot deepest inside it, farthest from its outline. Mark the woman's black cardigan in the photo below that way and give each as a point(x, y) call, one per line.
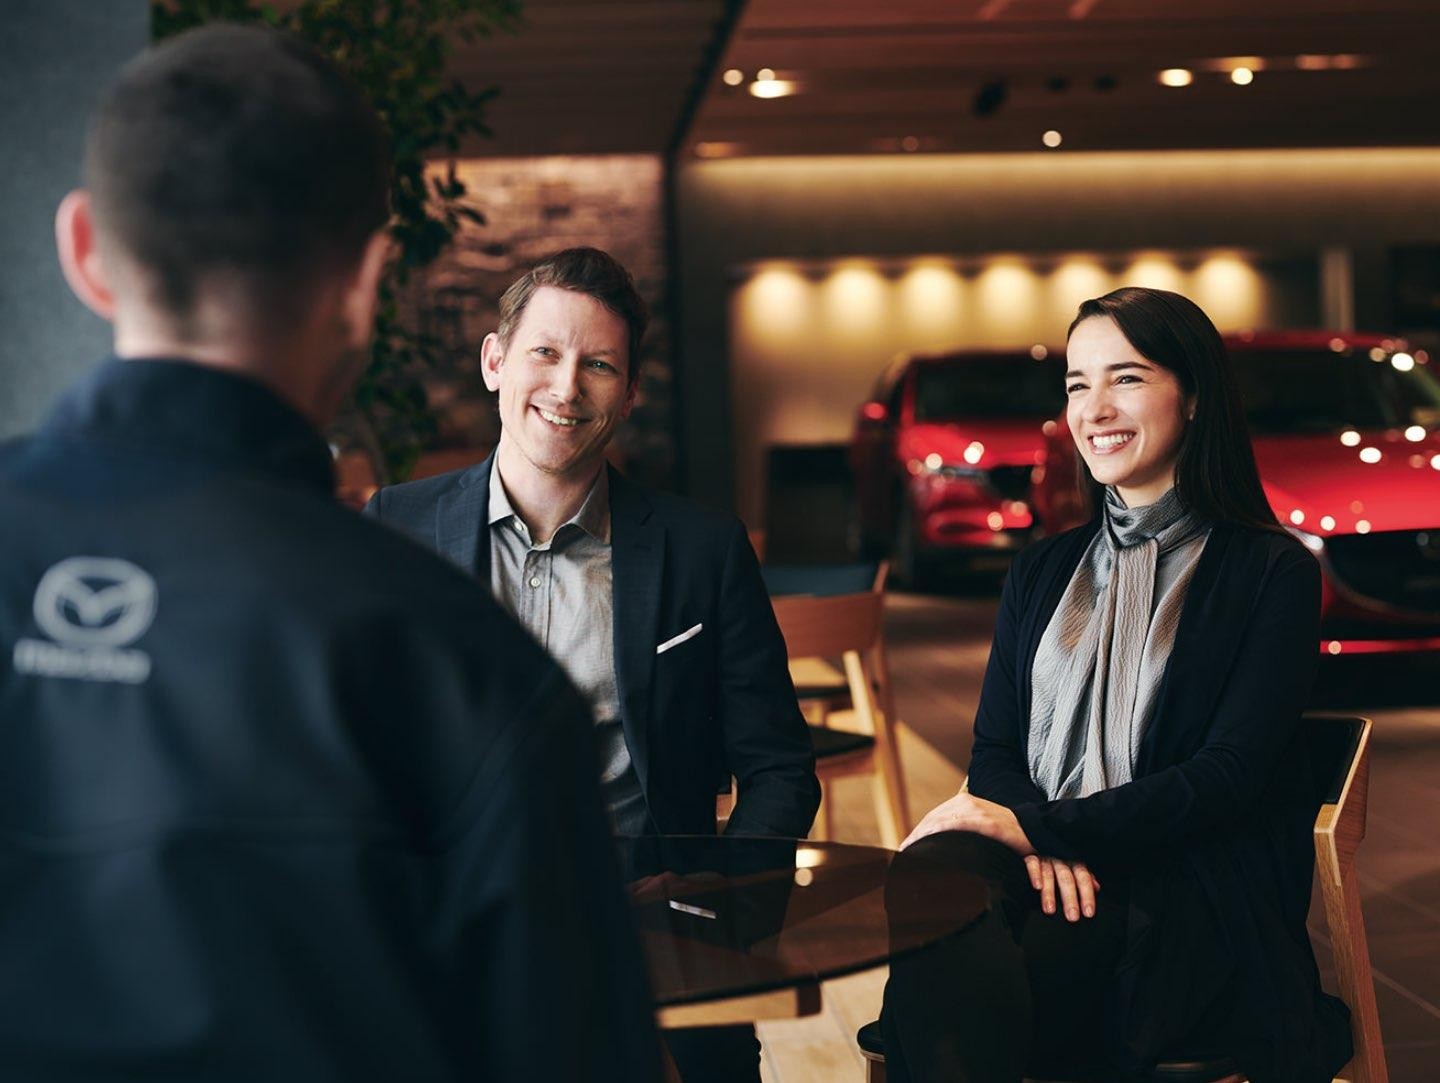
point(1214, 833)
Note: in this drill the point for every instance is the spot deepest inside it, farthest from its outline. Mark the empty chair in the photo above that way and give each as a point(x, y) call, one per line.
point(861, 739)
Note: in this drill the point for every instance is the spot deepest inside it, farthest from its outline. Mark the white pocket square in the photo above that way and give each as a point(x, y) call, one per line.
point(689, 633)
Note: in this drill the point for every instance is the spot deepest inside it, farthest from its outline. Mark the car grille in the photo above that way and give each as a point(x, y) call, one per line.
point(1011, 482)
point(1397, 567)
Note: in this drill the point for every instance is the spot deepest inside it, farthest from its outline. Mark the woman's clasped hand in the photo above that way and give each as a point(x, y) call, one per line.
point(1069, 884)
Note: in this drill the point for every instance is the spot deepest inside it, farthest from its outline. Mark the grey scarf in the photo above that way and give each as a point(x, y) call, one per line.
point(1100, 661)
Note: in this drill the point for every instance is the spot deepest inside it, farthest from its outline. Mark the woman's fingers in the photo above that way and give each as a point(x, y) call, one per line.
point(1085, 887)
point(1047, 885)
point(1065, 884)
point(1032, 866)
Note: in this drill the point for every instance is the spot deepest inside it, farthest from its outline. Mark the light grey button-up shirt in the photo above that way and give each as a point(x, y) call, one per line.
point(563, 592)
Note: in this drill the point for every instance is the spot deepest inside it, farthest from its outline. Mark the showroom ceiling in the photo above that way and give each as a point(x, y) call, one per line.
point(897, 76)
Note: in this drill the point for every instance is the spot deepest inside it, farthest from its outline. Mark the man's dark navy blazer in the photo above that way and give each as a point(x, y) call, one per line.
point(718, 704)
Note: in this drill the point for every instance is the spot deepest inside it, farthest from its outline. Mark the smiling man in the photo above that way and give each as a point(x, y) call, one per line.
point(654, 605)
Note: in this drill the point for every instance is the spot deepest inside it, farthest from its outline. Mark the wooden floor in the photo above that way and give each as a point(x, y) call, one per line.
point(938, 647)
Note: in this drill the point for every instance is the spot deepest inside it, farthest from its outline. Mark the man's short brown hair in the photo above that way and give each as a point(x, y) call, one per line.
point(236, 151)
point(589, 271)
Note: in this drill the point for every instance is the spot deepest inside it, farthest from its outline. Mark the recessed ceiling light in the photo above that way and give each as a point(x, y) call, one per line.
point(772, 88)
point(1176, 77)
point(1242, 76)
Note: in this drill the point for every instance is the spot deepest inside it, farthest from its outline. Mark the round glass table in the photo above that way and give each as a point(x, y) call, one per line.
point(740, 928)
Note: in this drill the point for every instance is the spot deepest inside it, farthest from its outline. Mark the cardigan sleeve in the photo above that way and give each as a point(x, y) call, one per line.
point(999, 765)
point(1256, 715)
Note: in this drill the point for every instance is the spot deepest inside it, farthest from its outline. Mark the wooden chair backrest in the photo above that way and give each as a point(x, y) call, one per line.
point(831, 626)
point(1339, 748)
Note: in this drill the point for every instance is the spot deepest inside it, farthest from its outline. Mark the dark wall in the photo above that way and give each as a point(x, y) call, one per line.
point(56, 56)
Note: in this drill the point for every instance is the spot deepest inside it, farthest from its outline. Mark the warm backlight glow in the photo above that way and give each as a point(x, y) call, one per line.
point(1176, 77)
point(1156, 272)
point(1007, 293)
point(1242, 76)
point(930, 300)
point(772, 88)
point(1230, 291)
point(854, 299)
point(777, 304)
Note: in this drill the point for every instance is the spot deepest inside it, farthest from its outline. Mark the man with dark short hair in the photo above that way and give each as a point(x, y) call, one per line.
point(654, 605)
point(282, 796)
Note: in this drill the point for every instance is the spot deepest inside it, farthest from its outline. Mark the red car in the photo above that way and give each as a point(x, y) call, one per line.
point(942, 456)
point(1346, 430)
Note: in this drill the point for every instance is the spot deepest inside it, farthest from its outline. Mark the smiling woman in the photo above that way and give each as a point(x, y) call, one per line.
point(1136, 795)
point(1126, 413)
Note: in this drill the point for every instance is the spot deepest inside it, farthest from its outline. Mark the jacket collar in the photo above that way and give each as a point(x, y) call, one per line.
point(202, 414)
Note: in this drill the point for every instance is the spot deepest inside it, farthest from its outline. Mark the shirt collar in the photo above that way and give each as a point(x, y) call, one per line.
point(202, 413)
point(593, 516)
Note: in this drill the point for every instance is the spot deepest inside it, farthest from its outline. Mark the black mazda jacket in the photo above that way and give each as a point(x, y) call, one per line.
point(282, 796)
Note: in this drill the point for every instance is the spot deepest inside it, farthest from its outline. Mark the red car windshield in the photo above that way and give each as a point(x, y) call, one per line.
point(1316, 391)
point(1002, 386)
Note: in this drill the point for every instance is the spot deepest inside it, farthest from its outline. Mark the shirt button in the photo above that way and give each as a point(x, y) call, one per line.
point(535, 581)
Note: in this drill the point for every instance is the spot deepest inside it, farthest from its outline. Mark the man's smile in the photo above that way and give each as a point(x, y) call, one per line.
point(556, 419)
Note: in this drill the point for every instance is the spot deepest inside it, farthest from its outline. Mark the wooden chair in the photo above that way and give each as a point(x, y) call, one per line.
point(1340, 759)
point(820, 687)
point(861, 739)
point(1340, 764)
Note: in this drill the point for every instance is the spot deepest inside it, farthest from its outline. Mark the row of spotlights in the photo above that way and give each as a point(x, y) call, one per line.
point(765, 83)
point(1178, 77)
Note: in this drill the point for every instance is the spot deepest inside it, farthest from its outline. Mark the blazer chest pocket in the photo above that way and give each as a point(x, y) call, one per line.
point(677, 640)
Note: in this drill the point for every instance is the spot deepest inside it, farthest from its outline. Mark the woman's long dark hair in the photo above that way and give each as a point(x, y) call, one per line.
point(1215, 474)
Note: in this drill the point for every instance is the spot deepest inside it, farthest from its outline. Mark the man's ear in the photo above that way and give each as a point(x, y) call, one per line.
point(492, 356)
point(75, 243)
point(363, 294)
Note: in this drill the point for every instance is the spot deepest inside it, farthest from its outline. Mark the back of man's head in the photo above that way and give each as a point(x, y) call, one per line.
point(235, 158)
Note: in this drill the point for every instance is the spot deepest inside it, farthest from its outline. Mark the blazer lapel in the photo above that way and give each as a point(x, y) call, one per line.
point(637, 554)
point(460, 515)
